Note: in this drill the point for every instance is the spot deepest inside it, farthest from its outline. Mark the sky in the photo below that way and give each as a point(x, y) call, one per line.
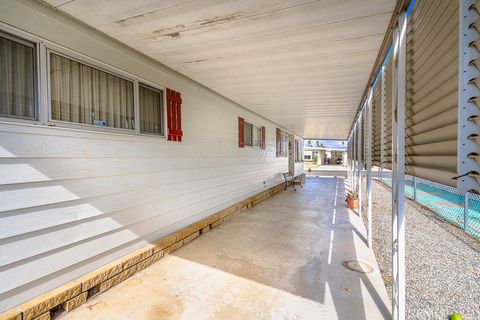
point(329, 144)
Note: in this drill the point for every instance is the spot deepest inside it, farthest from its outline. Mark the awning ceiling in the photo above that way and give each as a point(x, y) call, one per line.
point(303, 64)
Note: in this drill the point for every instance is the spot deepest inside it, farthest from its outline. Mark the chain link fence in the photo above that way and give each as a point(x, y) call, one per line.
point(462, 210)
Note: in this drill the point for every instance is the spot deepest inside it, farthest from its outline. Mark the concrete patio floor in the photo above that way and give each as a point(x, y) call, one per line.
point(281, 259)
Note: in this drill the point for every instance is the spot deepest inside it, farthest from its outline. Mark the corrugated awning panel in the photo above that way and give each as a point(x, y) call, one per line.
point(388, 113)
point(376, 123)
point(432, 91)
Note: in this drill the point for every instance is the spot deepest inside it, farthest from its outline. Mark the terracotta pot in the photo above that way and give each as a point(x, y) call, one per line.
point(352, 203)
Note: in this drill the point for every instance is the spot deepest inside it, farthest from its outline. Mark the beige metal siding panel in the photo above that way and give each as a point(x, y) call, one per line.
point(364, 137)
point(446, 133)
point(441, 176)
point(388, 114)
point(431, 161)
point(362, 152)
point(442, 120)
point(432, 90)
point(439, 106)
point(376, 122)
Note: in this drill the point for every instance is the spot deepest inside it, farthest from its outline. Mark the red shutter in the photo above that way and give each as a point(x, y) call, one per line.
point(241, 132)
point(263, 138)
point(278, 142)
point(174, 115)
point(179, 116)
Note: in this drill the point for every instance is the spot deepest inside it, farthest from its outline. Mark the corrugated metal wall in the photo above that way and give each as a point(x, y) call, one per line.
point(376, 123)
point(353, 144)
point(365, 136)
point(387, 147)
point(362, 140)
point(432, 85)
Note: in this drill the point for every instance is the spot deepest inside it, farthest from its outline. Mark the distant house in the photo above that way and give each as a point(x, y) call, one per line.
point(323, 151)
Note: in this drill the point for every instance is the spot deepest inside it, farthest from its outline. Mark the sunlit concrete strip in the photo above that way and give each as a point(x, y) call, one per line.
point(270, 262)
point(330, 248)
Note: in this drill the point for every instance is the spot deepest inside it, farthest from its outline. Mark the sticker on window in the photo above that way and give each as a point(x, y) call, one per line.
point(100, 123)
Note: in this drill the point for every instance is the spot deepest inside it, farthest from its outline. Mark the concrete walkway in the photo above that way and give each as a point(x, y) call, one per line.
point(282, 259)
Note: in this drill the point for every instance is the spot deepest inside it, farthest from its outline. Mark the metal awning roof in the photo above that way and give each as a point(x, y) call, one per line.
point(303, 64)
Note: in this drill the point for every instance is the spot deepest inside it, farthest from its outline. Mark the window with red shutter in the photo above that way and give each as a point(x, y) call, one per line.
point(250, 134)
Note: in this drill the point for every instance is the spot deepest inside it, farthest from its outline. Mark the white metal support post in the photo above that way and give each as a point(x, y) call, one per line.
point(355, 175)
point(394, 185)
point(350, 160)
point(368, 114)
point(383, 120)
point(354, 156)
point(398, 166)
point(359, 161)
point(468, 92)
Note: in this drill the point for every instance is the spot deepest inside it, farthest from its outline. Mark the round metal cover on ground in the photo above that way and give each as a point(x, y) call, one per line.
point(357, 266)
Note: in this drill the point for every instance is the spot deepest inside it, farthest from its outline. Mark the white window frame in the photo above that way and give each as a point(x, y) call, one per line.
point(298, 150)
point(68, 54)
point(253, 128)
point(285, 144)
point(138, 106)
point(25, 38)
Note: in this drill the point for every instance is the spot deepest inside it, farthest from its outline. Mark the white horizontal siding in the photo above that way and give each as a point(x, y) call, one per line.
point(73, 200)
point(298, 168)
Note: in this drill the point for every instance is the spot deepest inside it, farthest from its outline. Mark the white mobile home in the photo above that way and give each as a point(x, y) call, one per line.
point(88, 172)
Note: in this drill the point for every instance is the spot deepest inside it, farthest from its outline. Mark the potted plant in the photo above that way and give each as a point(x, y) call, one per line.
point(352, 199)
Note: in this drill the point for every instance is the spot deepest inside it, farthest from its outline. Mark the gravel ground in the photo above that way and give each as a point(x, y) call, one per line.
point(443, 262)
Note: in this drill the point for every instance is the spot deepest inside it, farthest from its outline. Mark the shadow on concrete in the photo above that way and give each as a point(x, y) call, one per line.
point(296, 242)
